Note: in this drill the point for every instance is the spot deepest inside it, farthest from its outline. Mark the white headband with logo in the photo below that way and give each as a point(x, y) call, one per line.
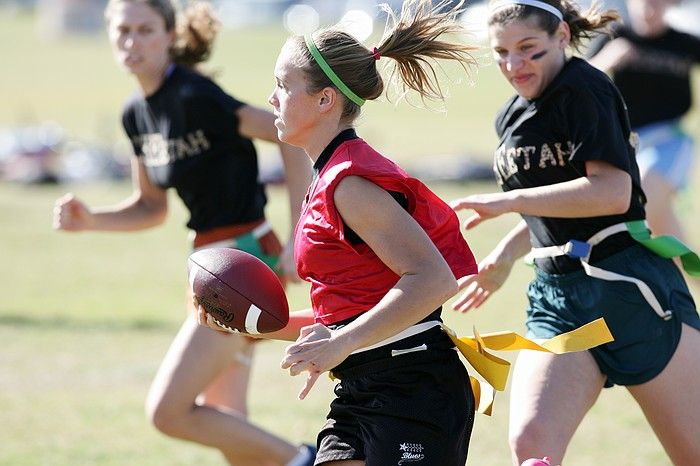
point(536, 3)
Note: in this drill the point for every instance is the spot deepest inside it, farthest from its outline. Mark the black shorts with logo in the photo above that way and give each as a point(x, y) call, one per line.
point(413, 408)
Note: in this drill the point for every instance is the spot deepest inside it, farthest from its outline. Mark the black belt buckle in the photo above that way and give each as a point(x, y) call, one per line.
point(577, 249)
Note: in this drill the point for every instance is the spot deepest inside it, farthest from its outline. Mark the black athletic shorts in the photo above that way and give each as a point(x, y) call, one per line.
point(414, 407)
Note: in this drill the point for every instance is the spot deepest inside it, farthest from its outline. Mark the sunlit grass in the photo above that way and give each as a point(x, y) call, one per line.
point(85, 318)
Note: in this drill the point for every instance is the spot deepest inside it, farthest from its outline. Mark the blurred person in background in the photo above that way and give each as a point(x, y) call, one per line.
point(566, 163)
point(650, 62)
point(189, 134)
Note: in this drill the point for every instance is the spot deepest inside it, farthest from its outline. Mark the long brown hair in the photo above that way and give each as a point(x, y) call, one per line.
point(195, 28)
point(411, 39)
point(583, 25)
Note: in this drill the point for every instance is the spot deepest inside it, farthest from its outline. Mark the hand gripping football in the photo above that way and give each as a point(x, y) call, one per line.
point(238, 290)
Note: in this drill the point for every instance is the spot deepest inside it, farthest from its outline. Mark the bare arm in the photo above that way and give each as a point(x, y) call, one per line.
point(425, 282)
point(493, 269)
point(260, 124)
point(614, 54)
point(605, 190)
point(146, 207)
point(515, 244)
point(256, 123)
point(297, 321)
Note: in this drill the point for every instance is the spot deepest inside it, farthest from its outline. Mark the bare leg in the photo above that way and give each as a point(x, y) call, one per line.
point(659, 208)
point(197, 356)
point(550, 395)
point(660, 214)
point(230, 388)
point(671, 401)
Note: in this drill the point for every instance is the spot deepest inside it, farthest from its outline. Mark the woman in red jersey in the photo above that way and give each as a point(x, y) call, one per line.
point(381, 251)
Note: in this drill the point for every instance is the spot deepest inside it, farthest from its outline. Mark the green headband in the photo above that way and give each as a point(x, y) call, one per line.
point(330, 73)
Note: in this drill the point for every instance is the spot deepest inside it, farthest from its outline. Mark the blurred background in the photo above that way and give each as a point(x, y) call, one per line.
point(86, 318)
point(61, 96)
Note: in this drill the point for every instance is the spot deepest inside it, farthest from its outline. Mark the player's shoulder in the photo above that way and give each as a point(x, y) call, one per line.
point(618, 29)
point(194, 87)
point(683, 35)
point(131, 107)
point(684, 42)
point(134, 101)
point(188, 82)
point(578, 72)
point(508, 112)
point(581, 82)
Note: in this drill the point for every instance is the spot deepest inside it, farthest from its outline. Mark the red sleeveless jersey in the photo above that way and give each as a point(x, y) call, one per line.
point(346, 279)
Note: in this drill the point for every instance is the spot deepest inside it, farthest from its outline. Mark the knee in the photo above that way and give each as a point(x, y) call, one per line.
point(165, 418)
point(521, 441)
point(532, 440)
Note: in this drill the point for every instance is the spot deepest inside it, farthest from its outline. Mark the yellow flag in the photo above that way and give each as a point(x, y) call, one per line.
point(494, 370)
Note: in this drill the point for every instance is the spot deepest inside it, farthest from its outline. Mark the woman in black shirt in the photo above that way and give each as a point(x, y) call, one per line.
point(188, 134)
point(566, 164)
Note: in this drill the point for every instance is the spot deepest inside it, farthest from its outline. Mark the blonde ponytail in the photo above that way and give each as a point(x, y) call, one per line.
point(413, 39)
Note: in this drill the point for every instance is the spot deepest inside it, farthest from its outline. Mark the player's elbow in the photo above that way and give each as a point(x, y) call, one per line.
point(613, 193)
point(620, 206)
point(155, 212)
point(620, 202)
point(451, 287)
point(443, 282)
point(159, 217)
point(155, 218)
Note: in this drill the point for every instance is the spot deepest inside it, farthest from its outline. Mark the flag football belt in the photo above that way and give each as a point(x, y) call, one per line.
point(492, 369)
point(235, 242)
point(665, 246)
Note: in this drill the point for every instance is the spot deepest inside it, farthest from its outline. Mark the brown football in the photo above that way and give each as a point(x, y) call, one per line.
point(238, 290)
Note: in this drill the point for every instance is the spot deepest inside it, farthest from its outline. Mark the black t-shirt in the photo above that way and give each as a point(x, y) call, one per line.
point(187, 134)
point(656, 85)
point(579, 117)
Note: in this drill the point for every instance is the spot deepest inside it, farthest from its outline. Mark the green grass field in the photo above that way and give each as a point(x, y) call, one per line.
point(85, 318)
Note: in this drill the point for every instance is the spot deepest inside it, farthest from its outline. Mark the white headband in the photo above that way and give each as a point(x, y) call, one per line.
point(536, 3)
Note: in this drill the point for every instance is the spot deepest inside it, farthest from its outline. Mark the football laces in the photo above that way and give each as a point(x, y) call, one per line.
point(222, 325)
